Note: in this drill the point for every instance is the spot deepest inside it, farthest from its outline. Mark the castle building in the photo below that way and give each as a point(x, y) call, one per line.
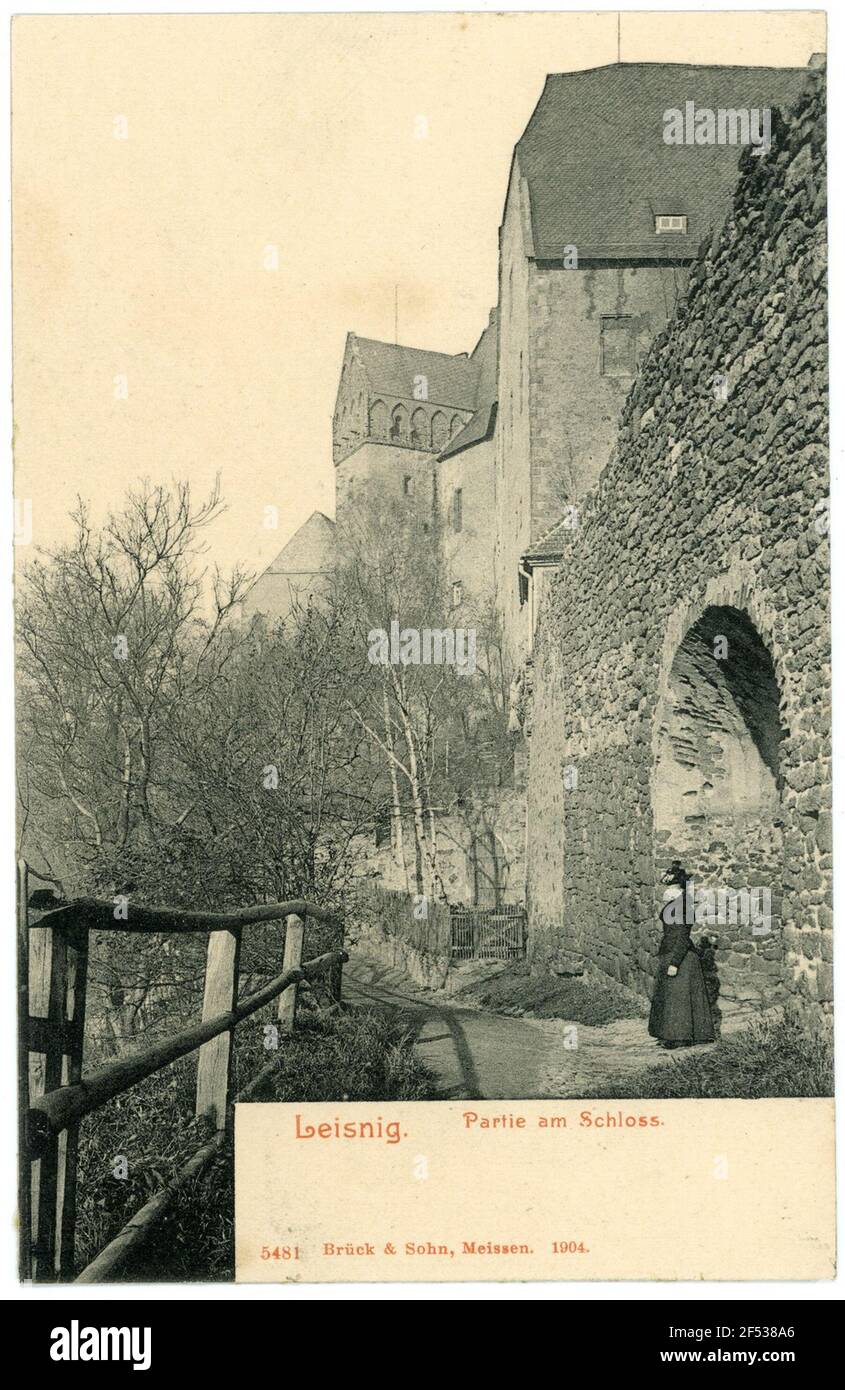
point(602, 221)
point(420, 425)
point(603, 217)
point(609, 456)
point(680, 696)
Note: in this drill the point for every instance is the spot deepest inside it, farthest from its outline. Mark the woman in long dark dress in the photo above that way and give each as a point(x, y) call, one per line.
point(680, 1010)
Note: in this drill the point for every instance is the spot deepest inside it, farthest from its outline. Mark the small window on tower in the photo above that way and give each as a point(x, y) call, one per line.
point(457, 593)
point(457, 509)
point(408, 485)
point(618, 346)
point(670, 222)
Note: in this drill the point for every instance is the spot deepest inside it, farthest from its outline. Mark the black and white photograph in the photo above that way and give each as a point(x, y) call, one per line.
point(422, 622)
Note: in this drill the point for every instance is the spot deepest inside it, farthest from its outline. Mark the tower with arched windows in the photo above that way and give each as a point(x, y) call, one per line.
point(397, 409)
point(417, 427)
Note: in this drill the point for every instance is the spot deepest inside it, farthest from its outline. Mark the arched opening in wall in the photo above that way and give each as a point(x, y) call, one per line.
point(420, 429)
point(378, 420)
point(439, 430)
point(399, 422)
point(716, 797)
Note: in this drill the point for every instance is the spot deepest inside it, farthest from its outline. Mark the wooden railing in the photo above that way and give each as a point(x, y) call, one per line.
point(55, 1094)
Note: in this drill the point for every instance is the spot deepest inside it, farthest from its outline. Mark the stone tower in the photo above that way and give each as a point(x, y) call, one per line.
point(396, 409)
point(603, 219)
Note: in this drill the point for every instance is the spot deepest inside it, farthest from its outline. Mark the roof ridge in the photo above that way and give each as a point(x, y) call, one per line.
point(710, 67)
point(550, 532)
point(408, 347)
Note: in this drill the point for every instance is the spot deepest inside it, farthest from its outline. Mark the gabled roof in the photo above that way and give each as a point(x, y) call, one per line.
point(598, 169)
point(391, 369)
point(310, 550)
point(297, 571)
point(548, 549)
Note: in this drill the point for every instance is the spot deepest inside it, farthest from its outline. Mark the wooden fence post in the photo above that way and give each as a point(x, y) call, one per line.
point(76, 989)
point(294, 935)
point(24, 1164)
point(214, 1067)
point(56, 977)
point(336, 972)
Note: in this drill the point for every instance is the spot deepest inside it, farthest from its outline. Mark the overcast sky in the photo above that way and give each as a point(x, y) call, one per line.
point(144, 258)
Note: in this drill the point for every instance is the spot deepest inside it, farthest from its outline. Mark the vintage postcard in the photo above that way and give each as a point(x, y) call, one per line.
point(423, 647)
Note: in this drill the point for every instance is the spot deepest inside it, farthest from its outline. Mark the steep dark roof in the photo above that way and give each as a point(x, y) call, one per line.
point(598, 169)
point(391, 369)
point(549, 546)
point(481, 426)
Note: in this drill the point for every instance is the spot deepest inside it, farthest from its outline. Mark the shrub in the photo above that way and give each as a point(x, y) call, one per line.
point(344, 1056)
point(778, 1055)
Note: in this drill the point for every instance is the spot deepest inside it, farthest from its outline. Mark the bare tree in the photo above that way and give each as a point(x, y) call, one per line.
point(427, 723)
point(114, 637)
point(170, 752)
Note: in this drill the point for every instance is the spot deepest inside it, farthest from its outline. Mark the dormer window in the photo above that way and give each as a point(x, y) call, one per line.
point(670, 222)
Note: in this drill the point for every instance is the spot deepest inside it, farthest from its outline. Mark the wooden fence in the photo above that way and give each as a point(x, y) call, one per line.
point(488, 933)
point(55, 1093)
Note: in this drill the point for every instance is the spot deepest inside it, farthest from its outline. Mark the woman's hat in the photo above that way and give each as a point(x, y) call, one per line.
point(676, 873)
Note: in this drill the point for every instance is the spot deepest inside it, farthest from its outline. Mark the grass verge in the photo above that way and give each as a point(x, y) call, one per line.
point(774, 1056)
point(132, 1147)
point(515, 991)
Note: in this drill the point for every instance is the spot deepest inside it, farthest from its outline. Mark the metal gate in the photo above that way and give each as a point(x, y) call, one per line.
point(488, 933)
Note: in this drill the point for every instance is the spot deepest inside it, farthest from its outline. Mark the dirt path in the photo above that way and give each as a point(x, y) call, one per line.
point(474, 1055)
point(485, 1056)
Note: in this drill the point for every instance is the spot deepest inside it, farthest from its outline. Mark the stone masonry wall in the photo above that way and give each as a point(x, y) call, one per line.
point(574, 408)
point(512, 496)
point(468, 553)
point(379, 471)
point(647, 736)
point(387, 926)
